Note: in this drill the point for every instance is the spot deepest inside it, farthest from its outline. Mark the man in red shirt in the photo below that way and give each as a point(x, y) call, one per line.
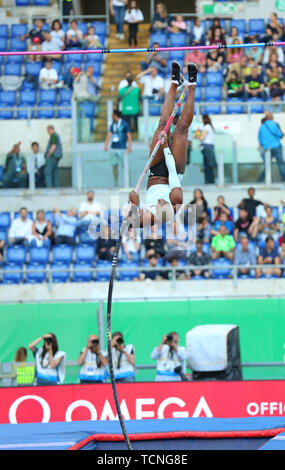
point(198, 57)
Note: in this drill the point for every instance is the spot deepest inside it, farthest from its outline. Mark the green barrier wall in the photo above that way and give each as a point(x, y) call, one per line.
point(261, 323)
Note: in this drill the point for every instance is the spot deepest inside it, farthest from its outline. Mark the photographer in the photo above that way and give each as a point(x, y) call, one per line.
point(171, 359)
point(93, 362)
point(123, 359)
point(50, 362)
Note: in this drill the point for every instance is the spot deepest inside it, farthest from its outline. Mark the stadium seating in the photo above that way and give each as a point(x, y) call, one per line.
point(58, 274)
point(85, 254)
point(35, 274)
point(12, 277)
point(62, 254)
point(104, 270)
point(5, 220)
point(131, 273)
point(16, 255)
point(82, 272)
point(221, 273)
point(39, 255)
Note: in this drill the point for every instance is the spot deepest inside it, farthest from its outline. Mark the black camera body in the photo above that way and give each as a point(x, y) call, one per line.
point(120, 340)
point(48, 340)
point(169, 338)
point(95, 342)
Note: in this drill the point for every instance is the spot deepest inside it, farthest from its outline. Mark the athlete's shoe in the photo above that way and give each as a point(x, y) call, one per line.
point(192, 73)
point(176, 75)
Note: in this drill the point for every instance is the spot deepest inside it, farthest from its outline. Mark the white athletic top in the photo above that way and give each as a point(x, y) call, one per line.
point(210, 137)
point(156, 192)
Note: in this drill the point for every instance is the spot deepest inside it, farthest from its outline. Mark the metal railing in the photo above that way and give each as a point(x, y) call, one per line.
point(10, 377)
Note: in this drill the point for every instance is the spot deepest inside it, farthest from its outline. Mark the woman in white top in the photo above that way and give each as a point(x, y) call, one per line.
point(41, 231)
point(133, 16)
point(50, 362)
point(74, 37)
point(131, 245)
point(57, 33)
point(207, 138)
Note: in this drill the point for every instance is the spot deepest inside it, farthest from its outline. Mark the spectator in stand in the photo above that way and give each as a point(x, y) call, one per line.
point(207, 139)
point(128, 80)
point(171, 359)
point(153, 243)
point(58, 34)
point(51, 44)
point(200, 258)
point(41, 231)
point(178, 25)
point(69, 75)
point(85, 86)
point(204, 229)
point(123, 359)
point(245, 256)
point(234, 86)
point(220, 208)
point(50, 362)
point(38, 166)
point(105, 244)
point(198, 34)
point(157, 60)
point(153, 84)
point(131, 244)
point(161, 19)
point(178, 274)
point(214, 61)
point(117, 10)
point(89, 212)
point(246, 224)
point(274, 62)
point(129, 98)
point(268, 255)
point(234, 55)
point(15, 170)
point(67, 7)
point(21, 229)
point(120, 136)
point(74, 37)
point(24, 374)
point(93, 362)
point(255, 53)
point(269, 138)
point(133, 16)
point(273, 27)
point(176, 243)
point(52, 155)
point(223, 245)
point(36, 38)
point(269, 225)
point(154, 274)
point(252, 205)
point(198, 57)
point(48, 78)
point(92, 39)
point(216, 24)
point(200, 204)
point(2, 245)
point(254, 85)
point(234, 34)
point(218, 38)
point(241, 68)
point(223, 220)
point(66, 227)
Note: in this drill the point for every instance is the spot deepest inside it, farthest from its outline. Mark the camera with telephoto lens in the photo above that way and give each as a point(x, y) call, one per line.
point(120, 340)
point(95, 342)
point(169, 338)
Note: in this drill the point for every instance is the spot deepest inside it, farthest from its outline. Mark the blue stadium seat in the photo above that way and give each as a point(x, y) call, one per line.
point(17, 45)
point(18, 30)
point(221, 273)
point(198, 94)
point(27, 85)
point(22, 3)
point(82, 276)
point(36, 277)
point(33, 68)
point(131, 274)
point(5, 114)
point(57, 66)
point(255, 105)
point(3, 44)
point(27, 97)
point(256, 26)
point(87, 109)
point(212, 108)
point(85, 239)
point(62, 254)
point(16, 255)
point(48, 96)
point(239, 24)
point(75, 58)
point(12, 277)
point(214, 78)
point(1, 173)
point(275, 212)
point(94, 58)
point(96, 66)
point(103, 276)
point(65, 95)
point(5, 220)
point(39, 255)
point(8, 97)
point(177, 39)
point(160, 38)
point(45, 113)
point(176, 55)
point(100, 27)
point(14, 59)
point(83, 27)
point(29, 215)
point(3, 235)
point(154, 108)
point(4, 31)
point(85, 254)
point(41, 2)
point(213, 93)
point(49, 215)
point(12, 69)
point(64, 113)
point(235, 106)
point(59, 276)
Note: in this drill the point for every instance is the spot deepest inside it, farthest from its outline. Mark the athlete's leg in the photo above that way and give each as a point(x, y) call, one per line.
point(167, 109)
point(180, 135)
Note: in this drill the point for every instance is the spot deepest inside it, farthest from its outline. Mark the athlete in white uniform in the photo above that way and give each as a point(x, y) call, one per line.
point(164, 193)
